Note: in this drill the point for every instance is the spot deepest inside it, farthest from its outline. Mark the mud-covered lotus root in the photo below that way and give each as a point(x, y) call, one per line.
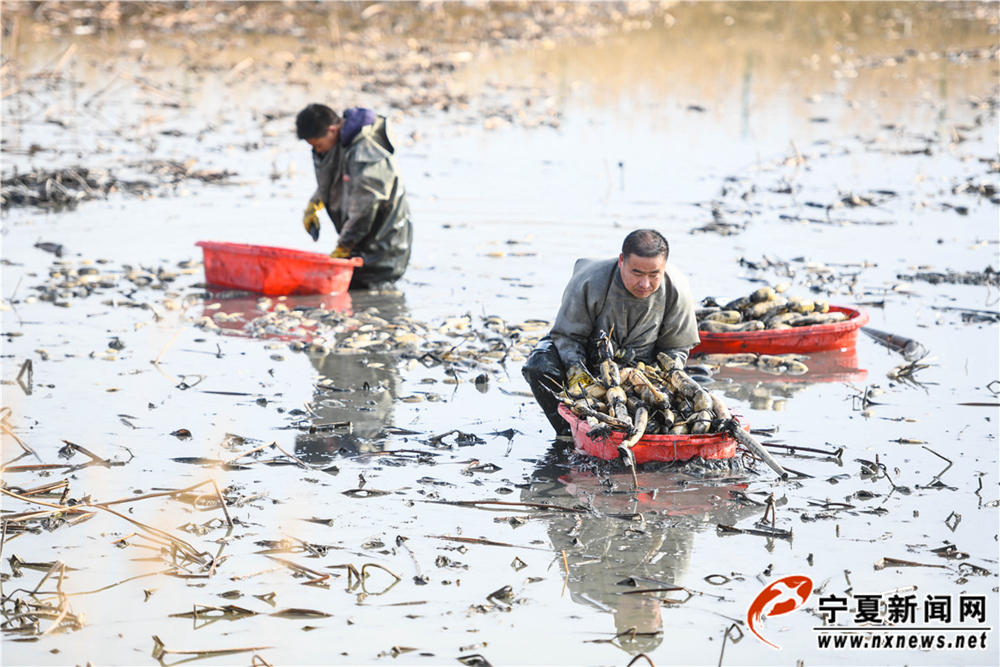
point(645, 399)
point(764, 308)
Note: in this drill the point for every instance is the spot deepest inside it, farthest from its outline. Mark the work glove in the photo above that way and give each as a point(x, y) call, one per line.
point(577, 375)
point(310, 220)
point(340, 252)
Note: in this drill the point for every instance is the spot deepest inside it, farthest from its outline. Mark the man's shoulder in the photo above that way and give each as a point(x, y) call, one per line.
point(590, 275)
point(592, 267)
point(373, 143)
point(677, 285)
point(365, 150)
point(673, 271)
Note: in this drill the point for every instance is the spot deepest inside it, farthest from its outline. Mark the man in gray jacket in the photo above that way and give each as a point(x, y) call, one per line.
point(642, 303)
point(360, 187)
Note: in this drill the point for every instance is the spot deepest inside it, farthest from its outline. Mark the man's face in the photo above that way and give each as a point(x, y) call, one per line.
point(325, 143)
point(641, 275)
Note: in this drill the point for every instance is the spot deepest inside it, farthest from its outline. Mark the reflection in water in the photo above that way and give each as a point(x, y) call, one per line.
point(237, 312)
point(631, 542)
point(355, 386)
point(765, 390)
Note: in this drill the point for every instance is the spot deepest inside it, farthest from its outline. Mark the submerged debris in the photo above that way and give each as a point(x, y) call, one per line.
point(988, 276)
point(65, 188)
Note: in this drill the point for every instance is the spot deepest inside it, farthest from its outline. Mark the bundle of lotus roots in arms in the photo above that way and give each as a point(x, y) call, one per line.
point(643, 399)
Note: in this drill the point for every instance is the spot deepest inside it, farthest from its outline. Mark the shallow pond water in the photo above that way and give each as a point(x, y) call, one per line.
point(739, 131)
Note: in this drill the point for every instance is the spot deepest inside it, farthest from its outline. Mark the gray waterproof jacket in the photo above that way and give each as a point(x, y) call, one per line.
point(364, 195)
point(595, 301)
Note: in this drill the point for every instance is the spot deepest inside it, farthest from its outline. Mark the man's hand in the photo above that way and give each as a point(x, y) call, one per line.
point(667, 362)
point(310, 220)
point(340, 252)
point(577, 376)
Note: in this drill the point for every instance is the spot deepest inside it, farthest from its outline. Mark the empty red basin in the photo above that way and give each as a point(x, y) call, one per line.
point(275, 271)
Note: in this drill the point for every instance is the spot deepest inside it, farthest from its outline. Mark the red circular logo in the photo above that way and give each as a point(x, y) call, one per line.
point(779, 597)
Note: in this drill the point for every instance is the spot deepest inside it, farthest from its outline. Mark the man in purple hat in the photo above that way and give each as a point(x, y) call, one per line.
point(359, 185)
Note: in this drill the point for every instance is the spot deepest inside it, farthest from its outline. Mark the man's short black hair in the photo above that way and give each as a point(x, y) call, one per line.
point(315, 120)
point(646, 243)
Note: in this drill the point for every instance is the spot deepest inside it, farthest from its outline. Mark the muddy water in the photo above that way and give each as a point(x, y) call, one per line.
point(767, 115)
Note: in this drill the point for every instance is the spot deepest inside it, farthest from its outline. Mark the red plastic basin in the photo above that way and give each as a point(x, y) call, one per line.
point(651, 447)
point(275, 271)
point(815, 338)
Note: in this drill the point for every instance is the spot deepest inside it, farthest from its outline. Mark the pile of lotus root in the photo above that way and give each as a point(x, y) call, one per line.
point(658, 399)
point(766, 308)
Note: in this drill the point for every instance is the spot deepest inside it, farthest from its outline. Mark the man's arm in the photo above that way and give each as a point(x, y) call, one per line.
point(574, 323)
